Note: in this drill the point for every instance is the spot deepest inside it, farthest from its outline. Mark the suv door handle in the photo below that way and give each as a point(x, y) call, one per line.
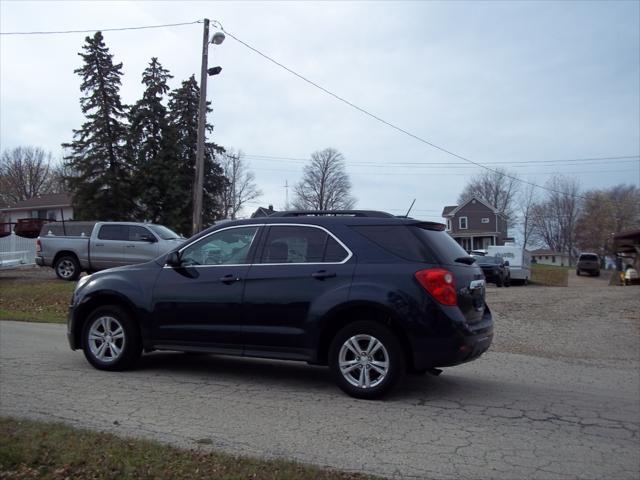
point(99, 245)
point(229, 279)
point(322, 274)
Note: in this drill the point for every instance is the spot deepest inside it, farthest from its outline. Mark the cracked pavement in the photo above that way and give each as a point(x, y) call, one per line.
point(507, 415)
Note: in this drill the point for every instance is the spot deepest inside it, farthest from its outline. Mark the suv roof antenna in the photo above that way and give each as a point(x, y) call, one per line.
point(407, 214)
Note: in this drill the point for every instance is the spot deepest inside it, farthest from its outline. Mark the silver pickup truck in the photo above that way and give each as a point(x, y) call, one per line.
point(73, 247)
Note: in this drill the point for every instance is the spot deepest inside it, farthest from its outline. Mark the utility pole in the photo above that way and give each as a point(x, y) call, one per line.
point(286, 194)
point(202, 121)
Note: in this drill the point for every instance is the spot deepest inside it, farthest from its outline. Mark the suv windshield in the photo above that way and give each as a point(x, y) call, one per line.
point(164, 232)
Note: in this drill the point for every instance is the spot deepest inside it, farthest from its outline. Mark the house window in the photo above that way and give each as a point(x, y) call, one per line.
point(553, 258)
point(448, 224)
point(485, 220)
point(462, 223)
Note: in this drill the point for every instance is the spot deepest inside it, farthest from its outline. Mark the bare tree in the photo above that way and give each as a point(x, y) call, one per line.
point(325, 184)
point(25, 172)
point(240, 187)
point(555, 218)
point(526, 203)
point(605, 212)
point(496, 187)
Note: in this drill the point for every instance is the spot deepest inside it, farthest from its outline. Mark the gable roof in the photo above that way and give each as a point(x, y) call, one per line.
point(43, 201)
point(448, 209)
point(451, 213)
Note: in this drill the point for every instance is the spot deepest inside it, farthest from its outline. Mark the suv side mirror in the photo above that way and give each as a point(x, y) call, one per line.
point(148, 238)
point(173, 259)
point(506, 263)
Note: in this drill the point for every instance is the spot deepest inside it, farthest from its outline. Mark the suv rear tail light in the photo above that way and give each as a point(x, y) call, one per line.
point(38, 246)
point(440, 284)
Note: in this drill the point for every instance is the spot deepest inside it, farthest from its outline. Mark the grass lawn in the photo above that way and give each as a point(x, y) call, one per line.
point(35, 300)
point(54, 451)
point(550, 275)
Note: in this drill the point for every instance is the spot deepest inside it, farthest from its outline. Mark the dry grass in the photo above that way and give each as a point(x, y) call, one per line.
point(54, 451)
point(550, 276)
point(36, 300)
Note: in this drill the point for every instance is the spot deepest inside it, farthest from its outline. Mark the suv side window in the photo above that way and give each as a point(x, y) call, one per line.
point(114, 232)
point(226, 247)
point(300, 244)
point(137, 234)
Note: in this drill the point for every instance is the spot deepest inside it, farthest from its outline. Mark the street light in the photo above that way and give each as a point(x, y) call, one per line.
point(217, 39)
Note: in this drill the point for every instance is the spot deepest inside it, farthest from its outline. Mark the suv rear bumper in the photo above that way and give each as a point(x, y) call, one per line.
point(447, 352)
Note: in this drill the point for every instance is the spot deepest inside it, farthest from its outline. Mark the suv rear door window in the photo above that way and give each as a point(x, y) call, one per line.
point(589, 258)
point(114, 232)
point(301, 244)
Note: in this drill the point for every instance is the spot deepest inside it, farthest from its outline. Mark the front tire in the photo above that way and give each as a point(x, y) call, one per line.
point(110, 339)
point(67, 268)
point(366, 359)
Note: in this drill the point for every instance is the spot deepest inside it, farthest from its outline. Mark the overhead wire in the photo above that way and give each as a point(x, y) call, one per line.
point(91, 30)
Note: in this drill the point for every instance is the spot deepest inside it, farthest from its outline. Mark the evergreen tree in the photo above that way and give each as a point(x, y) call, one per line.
point(183, 107)
point(152, 148)
point(101, 189)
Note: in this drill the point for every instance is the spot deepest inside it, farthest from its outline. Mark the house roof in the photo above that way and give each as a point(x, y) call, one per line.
point(448, 209)
point(43, 201)
point(263, 212)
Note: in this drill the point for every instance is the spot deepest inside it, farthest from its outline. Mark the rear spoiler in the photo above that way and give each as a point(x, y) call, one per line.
point(438, 227)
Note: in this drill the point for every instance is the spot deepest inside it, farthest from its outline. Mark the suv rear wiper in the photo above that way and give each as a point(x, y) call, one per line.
point(465, 260)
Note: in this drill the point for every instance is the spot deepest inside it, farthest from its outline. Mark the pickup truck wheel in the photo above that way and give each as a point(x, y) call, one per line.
point(110, 339)
point(366, 359)
point(67, 268)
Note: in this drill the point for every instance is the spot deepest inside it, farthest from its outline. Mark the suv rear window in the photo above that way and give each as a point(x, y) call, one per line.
point(400, 240)
point(444, 246)
point(589, 258)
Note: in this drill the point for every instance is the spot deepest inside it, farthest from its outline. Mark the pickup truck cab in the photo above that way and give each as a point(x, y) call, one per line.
point(91, 246)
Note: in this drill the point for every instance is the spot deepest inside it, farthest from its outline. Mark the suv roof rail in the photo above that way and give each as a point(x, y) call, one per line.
point(332, 213)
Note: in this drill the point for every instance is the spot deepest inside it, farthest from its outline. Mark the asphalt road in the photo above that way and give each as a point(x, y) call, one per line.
point(504, 416)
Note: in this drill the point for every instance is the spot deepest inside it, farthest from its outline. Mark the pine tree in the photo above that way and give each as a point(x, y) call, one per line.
point(183, 107)
point(101, 189)
point(151, 146)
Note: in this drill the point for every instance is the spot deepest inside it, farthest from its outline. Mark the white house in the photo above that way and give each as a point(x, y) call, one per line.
point(549, 257)
point(52, 206)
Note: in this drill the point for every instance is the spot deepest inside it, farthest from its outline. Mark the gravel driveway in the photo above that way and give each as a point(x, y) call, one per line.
point(558, 396)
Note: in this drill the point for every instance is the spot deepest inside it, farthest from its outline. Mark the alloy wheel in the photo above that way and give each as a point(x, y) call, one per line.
point(106, 339)
point(363, 361)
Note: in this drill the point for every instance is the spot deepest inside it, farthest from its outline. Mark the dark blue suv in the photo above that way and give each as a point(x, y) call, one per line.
point(369, 294)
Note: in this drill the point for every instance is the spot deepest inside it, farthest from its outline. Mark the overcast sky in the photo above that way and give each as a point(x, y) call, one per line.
point(492, 81)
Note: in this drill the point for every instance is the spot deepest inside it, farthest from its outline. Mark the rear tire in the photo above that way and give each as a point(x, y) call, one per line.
point(507, 283)
point(366, 359)
point(499, 282)
point(67, 268)
point(111, 339)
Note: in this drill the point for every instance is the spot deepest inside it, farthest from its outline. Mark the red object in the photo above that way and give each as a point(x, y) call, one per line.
point(440, 284)
point(5, 229)
point(38, 246)
point(29, 227)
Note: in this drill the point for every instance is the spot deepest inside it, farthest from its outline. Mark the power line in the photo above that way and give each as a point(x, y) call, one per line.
point(575, 161)
point(101, 29)
point(383, 121)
